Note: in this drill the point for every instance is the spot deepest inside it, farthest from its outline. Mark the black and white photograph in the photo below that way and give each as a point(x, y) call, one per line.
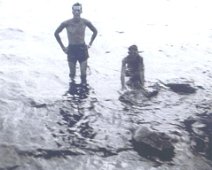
point(105, 85)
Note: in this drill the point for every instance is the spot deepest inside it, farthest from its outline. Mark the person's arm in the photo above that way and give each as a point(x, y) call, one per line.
point(94, 30)
point(141, 71)
point(57, 36)
point(123, 68)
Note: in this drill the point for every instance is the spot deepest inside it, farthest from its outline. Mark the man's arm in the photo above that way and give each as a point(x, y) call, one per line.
point(94, 30)
point(123, 68)
point(57, 36)
point(141, 71)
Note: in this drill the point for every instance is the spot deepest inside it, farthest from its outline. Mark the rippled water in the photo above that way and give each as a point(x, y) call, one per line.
point(41, 128)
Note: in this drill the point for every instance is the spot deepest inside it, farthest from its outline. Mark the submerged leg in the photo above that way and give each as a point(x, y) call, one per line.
point(83, 70)
point(72, 69)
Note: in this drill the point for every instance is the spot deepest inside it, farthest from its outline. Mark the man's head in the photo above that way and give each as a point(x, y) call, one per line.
point(77, 10)
point(133, 49)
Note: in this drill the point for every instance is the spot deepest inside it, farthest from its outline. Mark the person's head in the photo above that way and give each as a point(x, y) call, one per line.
point(77, 10)
point(133, 49)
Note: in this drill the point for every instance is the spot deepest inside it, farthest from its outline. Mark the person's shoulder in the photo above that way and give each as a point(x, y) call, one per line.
point(70, 20)
point(67, 22)
point(124, 60)
point(86, 21)
point(140, 56)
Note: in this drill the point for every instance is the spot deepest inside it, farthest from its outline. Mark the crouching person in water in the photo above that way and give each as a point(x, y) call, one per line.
point(133, 68)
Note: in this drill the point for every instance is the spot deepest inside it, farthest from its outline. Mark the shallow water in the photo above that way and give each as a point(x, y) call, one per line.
point(43, 129)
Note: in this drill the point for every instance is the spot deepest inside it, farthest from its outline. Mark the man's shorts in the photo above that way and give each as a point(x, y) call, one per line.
point(77, 52)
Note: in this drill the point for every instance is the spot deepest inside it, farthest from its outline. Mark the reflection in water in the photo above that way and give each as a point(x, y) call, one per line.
point(80, 91)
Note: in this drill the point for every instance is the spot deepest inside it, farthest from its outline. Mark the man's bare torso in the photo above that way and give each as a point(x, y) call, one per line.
point(76, 31)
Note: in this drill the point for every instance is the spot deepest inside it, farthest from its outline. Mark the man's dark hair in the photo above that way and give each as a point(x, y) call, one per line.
point(133, 48)
point(77, 4)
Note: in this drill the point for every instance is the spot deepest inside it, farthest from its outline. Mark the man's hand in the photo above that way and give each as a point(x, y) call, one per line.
point(65, 49)
point(89, 45)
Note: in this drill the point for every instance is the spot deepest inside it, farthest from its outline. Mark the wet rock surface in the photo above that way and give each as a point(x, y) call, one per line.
point(72, 129)
point(153, 145)
point(181, 88)
point(200, 130)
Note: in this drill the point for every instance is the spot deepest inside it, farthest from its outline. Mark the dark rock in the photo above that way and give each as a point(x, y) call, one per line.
point(181, 88)
point(200, 130)
point(151, 144)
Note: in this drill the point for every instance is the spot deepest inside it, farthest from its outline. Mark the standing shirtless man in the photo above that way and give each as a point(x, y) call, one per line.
point(77, 49)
